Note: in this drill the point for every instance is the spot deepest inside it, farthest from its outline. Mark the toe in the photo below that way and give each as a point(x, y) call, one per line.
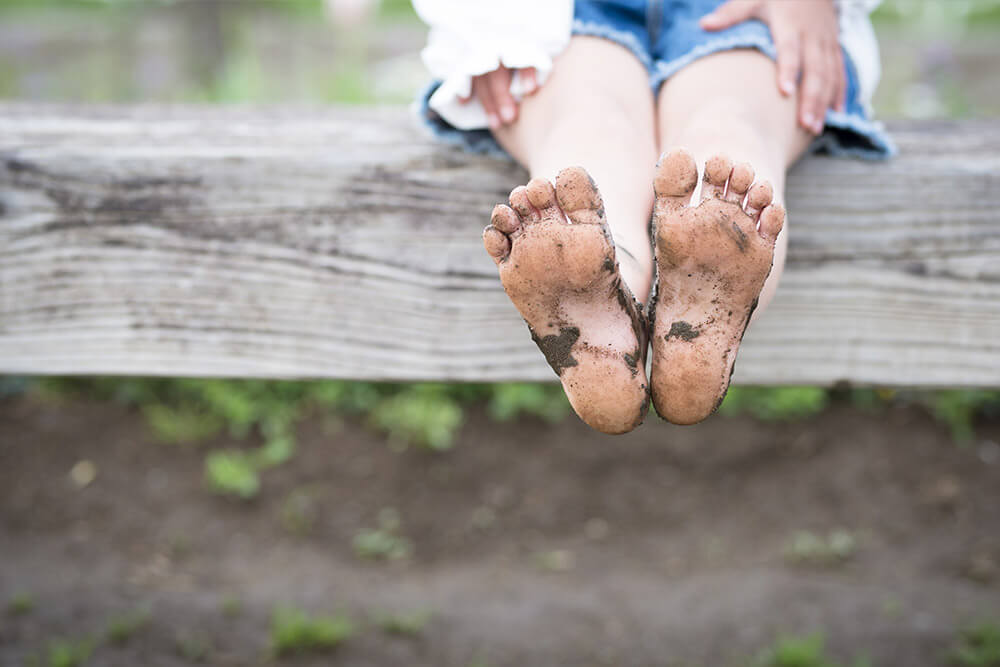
point(497, 244)
point(505, 219)
point(676, 178)
point(578, 196)
point(717, 171)
point(542, 196)
point(758, 198)
point(739, 182)
point(519, 202)
point(772, 219)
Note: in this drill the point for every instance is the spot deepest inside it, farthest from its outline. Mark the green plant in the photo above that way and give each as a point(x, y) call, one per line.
point(123, 627)
point(775, 403)
point(408, 624)
point(192, 647)
point(425, 415)
point(293, 630)
point(808, 548)
point(510, 400)
point(232, 472)
point(20, 604)
point(958, 409)
point(65, 653)
point(801, 651)
point(384, 542)
point(231, 606)
point(978, 645)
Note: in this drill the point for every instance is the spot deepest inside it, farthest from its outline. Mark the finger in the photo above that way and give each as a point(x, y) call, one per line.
point(815, 88)
point(788, 46)
point(729, 14)
point(485, 96)
point(529, 76)
point(840, 100)
point(499, 83)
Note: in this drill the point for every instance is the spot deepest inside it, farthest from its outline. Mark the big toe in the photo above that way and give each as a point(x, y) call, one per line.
point(579, 197)
point(676, 178)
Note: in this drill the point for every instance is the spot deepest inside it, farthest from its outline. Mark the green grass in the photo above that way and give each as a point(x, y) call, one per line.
point(802, 651)
point(426, 416)
point(406, 624)
point(20, 604)
point(383, 542)
point(231, 606)
point(978, 645)
point(808, 548)
point(295, 631)
point(192, 647)
point(121, 628)
point(775, 403)
point(64, 653)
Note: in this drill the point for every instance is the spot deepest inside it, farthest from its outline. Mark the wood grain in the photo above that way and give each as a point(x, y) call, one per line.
point(344, 243)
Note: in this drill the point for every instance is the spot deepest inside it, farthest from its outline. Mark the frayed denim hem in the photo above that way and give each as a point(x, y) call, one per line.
point(479, 141)
point(619, 37)
point(844, 134)
point(666, 70)
point(850, 135)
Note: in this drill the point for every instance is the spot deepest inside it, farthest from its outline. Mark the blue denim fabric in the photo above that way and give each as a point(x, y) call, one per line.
point(664, 36)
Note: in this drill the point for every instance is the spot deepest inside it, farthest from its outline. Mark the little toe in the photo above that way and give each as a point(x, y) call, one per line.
point(758, 198)
point(772, 219)
point(519, 202)
point(717, 171)
point(739, 182)
point(497, 243)
point(505, 219)
point(578, 196)
point(675, 180)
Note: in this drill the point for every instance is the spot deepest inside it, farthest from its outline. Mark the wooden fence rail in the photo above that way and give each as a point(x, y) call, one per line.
point(343, 243)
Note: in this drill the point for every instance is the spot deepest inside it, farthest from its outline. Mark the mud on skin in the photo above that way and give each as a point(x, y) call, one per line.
point(583, 318)
point(558, 349)
point(711, 261)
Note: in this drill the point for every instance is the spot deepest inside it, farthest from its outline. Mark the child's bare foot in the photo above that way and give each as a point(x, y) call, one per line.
point(562, 276)
point(711, 263)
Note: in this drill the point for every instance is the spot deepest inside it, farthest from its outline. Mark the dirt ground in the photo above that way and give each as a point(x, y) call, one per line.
point(532, 544)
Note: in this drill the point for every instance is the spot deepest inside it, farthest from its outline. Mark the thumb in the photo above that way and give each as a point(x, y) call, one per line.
point(729, 14)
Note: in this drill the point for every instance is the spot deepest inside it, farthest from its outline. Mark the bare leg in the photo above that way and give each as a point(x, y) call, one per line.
point(719, 261)
point(596, 111)
point(746, 119)
point(553, 245)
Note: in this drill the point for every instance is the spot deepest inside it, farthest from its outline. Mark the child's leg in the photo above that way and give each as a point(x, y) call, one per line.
point(596, 111)
point(712, 261)
point(570, 283)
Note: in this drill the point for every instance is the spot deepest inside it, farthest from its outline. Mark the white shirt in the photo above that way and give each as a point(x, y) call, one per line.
point(471, 37)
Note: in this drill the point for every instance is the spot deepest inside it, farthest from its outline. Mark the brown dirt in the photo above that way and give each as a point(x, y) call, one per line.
point(672, 537)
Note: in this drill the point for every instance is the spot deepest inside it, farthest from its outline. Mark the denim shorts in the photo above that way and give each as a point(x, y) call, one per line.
point(665, 37)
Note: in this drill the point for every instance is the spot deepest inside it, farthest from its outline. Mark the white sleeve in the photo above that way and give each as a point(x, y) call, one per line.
point(468, 38)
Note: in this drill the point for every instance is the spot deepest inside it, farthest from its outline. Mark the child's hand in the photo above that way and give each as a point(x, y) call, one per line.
point(493, 91)
point(806, 36)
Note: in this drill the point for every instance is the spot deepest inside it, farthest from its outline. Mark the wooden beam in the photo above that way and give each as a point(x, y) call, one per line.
point(344, 243)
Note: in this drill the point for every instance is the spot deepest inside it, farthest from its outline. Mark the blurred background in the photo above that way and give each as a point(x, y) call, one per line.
point(183, 521)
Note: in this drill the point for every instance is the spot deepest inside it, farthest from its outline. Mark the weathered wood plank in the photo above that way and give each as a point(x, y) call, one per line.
point(342, 243)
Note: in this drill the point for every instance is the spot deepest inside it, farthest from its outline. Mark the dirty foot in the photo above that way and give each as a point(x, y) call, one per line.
point(557, 264)
point(711, 263)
